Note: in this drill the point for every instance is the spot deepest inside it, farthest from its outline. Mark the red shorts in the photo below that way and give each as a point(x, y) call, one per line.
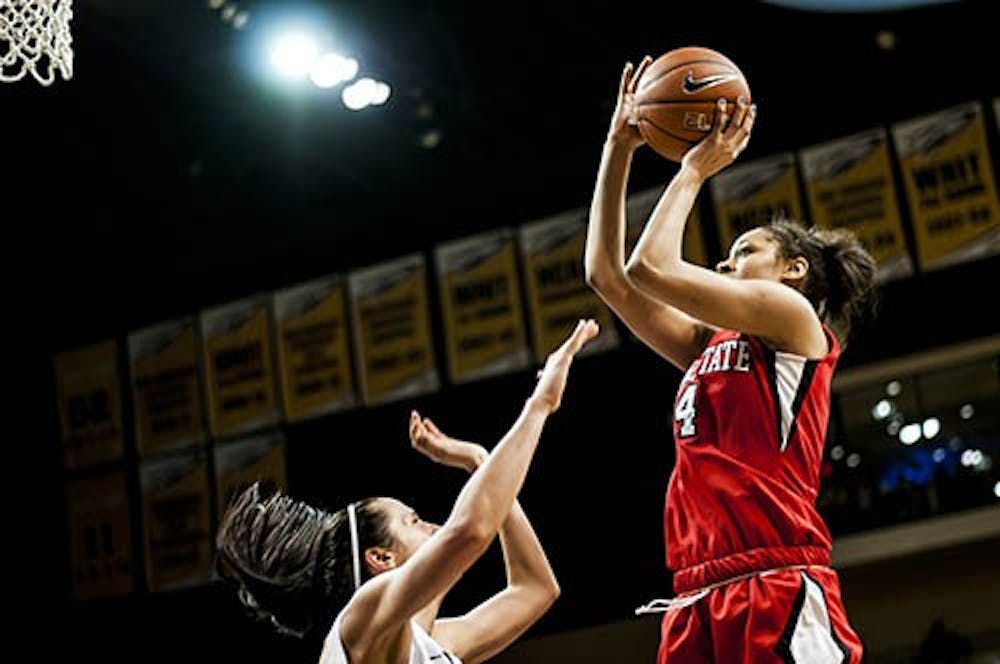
point(779, 617)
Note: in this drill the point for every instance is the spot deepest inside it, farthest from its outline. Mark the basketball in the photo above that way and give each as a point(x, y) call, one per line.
point(676, 97)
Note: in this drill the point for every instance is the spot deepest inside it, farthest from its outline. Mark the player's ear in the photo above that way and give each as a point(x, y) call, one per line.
point(380, 559)
point(795, 269)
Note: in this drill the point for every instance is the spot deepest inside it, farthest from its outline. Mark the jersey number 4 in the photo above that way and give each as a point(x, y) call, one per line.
point(684, 412)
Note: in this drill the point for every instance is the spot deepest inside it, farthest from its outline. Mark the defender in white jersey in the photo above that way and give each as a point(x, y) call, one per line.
point(373, 575)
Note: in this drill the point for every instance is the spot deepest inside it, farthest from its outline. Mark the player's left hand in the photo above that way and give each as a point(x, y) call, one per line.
point(434, 444)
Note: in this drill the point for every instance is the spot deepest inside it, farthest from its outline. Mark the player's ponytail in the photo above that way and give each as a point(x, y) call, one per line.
point(840, 282)
point(292, 564)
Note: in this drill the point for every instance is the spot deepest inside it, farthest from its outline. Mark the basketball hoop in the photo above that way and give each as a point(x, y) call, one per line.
point(35, 38)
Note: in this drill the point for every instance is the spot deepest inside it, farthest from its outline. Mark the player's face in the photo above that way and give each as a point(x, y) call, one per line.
point(409, 531)
point(754, 255)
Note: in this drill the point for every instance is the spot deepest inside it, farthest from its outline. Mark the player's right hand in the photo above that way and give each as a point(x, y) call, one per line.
point(623, 130)
point(552, 377)
point(729, 137)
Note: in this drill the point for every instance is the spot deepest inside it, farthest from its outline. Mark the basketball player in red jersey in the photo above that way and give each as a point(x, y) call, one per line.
point(758, 340)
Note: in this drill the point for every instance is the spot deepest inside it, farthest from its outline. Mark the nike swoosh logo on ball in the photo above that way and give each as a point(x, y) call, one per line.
point(692, 84)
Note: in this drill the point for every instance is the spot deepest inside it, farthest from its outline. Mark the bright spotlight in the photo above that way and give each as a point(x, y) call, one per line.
point(348, 69)
point(355, 97)
point(381, 95)
point(359, 94)
point(882, 410)
point(931, 427)
point(971, 458)
point(909, 434)
point(293, 54)
point(331, 69)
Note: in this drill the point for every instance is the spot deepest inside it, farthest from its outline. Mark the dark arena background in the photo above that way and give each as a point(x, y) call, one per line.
point(191, 225)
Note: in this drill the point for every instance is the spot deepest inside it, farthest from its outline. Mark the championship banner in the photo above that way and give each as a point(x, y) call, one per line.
point(850, 186)
point(558, 295)
point(176, 519)
point(166, 387)
point(392, 331)
point(239, 376)
point(754, 194)
point(314, 357)
point(949, 185)
point(89, 398)
point(100, 537)
point(481, 298)
point(640, 206)
point(240, 463)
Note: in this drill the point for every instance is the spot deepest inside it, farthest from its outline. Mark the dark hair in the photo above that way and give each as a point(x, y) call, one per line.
point(840, 282)
point(292, 563)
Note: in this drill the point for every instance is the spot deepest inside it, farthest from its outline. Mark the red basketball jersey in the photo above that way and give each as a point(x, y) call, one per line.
point(749, 428)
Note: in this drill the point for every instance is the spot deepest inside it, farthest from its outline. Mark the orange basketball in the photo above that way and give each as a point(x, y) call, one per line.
point(676, 97)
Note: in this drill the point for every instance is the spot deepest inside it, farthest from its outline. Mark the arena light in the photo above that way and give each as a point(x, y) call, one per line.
point(909, 434)
point(967, 411)
point(358, 95)
point(971, 458)
point(837, 453)
point(293, 54)
point(330, 69)
point(381, 94)
point(365, 92)
point(893, 388)
point(996, 489)
point(931, 427)
point(853, 460)
point(882, 409)
point(940, 454)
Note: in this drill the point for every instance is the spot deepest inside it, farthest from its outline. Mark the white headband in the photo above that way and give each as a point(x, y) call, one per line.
point(352, 518)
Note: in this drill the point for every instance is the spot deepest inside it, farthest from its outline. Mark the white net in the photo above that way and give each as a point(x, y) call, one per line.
point(35, 38)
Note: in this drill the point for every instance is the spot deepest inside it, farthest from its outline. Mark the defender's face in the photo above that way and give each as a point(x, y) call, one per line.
point(409, 531)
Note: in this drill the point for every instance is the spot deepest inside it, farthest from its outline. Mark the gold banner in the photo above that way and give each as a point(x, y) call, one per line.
point(640, 206)
point(166, 387)
point(558, 295)
point(392, 332)
point(314, 354)
point(177, 516)
point(950, 186)
point(89, 398)
point(238, 369)
point(753, 194)
point(240, 463)
point(100, 537)
point(850, 186)
point(481, 298)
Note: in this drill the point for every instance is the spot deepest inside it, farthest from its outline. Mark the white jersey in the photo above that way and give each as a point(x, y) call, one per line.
point(423, 649)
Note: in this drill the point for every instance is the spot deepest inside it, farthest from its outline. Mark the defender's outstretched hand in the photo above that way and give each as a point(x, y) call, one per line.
point(434, 444)
point(552, 377)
